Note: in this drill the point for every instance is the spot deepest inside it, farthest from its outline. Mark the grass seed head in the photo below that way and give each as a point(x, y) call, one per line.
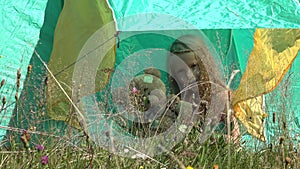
point(2, 83)
point(19, 74)
point(3, 100)
point(29, 68)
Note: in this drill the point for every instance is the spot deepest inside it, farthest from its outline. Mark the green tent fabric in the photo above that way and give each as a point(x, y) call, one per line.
point(211, 15)
point(27, 110)
point(220, 20)
point(21, 22)
point(284, 104)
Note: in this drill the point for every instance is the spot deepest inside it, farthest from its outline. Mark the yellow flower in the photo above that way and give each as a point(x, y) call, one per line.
point(189, 167)
point(141, 167)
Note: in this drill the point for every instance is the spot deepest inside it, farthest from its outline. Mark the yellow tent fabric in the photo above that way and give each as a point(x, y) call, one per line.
point(79, 20)
point(272, 55)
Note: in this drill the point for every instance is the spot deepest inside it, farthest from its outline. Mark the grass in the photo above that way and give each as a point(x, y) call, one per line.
point(62, 154)
point(69, 148)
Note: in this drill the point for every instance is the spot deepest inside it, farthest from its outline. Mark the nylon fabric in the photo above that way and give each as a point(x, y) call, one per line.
point(19, 32)
point(209, 14)
point(273, 53)
point(78, 21)
point(30, 111)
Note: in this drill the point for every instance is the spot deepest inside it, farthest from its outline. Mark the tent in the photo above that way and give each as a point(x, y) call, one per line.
point(34, 31)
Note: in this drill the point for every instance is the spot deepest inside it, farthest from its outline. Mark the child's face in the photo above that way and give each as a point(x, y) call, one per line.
point(187, 69)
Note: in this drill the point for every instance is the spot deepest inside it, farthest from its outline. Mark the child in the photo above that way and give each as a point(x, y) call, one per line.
point(192, 67)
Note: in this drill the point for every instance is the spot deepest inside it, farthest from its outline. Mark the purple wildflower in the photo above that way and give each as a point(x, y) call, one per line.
point(40, 147)
point(134, 90)
point(45, 160)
